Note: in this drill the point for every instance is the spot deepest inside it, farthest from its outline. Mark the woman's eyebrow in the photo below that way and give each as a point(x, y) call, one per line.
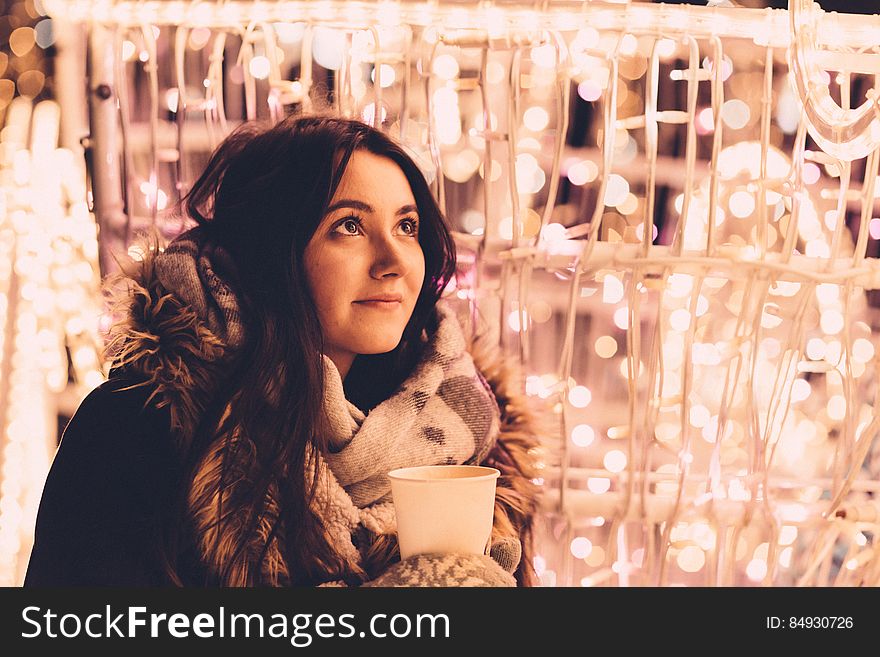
point(366, 207)
point(350, 203)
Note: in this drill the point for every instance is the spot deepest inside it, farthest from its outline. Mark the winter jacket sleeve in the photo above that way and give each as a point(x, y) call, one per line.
point(109, 483)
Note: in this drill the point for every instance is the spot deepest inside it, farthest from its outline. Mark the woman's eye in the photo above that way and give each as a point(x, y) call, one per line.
point(409, 226)
point(350, 226)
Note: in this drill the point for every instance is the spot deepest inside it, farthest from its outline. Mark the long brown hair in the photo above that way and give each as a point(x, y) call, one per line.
point(261, 197)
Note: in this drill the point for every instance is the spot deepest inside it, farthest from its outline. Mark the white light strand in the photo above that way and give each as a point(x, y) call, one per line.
point(51, 307)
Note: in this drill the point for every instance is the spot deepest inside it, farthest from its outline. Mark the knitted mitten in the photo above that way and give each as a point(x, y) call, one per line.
point(424, 570)
point(507, 552)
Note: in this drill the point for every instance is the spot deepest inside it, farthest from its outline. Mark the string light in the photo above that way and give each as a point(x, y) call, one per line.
point(51, 240)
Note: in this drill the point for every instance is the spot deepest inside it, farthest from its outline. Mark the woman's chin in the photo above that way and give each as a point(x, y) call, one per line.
point(376, 348)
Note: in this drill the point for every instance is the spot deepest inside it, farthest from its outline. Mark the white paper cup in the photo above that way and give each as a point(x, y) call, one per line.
point(443, 508)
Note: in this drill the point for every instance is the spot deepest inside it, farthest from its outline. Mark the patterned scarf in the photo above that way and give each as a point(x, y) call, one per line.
point(443, 413)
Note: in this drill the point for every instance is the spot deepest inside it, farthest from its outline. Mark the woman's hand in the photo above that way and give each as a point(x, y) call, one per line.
point(428, 570)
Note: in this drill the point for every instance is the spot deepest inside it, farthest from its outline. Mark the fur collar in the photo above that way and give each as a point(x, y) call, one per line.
point(162, 344)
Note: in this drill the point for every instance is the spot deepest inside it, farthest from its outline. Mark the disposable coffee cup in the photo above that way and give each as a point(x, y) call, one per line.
point(444, 509)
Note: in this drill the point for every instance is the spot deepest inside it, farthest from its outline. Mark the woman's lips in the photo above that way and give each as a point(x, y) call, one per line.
point(379, 304)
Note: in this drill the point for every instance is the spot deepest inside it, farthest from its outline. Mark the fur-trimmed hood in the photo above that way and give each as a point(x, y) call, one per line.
point(161, 343)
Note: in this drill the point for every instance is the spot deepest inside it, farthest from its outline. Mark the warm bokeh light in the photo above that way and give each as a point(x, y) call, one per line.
point(579, 396)
point(583, 435)
point(606, 346)
point(581, 547)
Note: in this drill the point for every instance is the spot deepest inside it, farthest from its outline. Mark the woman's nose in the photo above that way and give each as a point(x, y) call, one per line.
point(387, 258)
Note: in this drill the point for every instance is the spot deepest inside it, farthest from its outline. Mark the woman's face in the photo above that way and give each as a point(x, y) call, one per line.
point(364, 264)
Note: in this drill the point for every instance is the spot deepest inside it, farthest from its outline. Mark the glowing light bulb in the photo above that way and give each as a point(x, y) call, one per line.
point(818, 249)
point(45, 33)
point(831, 220)
point(726, 66)
point(527, 168)
point(462, 166)
point(665, 48)
point(553, 233)
point(536, 118)
point(581, 547)
point(328, 47)
point(666, 431)
point(800, 390)
point(494, 170)
point(544, 56)
point(629, 205)
point(128, 51)
point(831, 322)
point(606, 346)
point(770, 318)
point(387, 75)
point(699, 415)
point(199, 38)
point(494, 73)
point(788, 111)
point(589, 90)
point(706, 120)
point(628, 45)
point(827, 293)
point(811, 173)
point(583, 172)
point(788, 534)
point(833, 351)
point(540, 311)
point(679, 285)
point(505, 229)
point(445, 67)
point(172, 97)
point(22, 40)
point(614, 460)
point(586, 37)
point(640, 231)
point(680, 320)
point(836, 407)
point(598, 485)
point(742, 204)
point(678, 203)
point(513, 320)
point(756, 570)
point(735, 114)
point(259, 67)
point(785, 289)
point(528, 144)
point(710, 430)
point(862, 350)
point(702, 306)
point(583, 435)
point(612, 289)
point(691, 559)
point(290, 32)
point(616, 190)
point(579, 396)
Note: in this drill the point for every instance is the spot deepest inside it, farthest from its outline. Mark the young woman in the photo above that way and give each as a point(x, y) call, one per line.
point(275, 362)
